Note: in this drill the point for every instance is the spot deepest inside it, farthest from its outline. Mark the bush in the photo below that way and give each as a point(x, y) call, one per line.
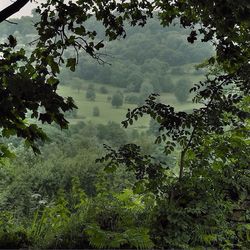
point(60, 224)
point(112, 132)
point(90, 95)
point(12, 235)
point(182, 90)
point(132, 99)
point(109, 98)
point(76, 83)
point(117, 100)
point(167, 85)
point(103, 90)
point(146, 89)
point(96, 111)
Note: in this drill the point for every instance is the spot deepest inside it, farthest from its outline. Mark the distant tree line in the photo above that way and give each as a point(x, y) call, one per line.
point(153, 53)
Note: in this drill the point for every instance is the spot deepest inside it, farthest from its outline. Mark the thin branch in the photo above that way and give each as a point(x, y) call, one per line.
point(183, 153)
point(33, 42)
point(10, 22)
point(12, 9)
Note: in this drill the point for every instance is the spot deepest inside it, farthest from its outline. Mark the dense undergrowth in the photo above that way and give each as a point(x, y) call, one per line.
point(63, 199)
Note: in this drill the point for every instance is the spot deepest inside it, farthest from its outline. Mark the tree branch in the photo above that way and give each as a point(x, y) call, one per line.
point(10, 22)
point(183, 154)
point(12, 9)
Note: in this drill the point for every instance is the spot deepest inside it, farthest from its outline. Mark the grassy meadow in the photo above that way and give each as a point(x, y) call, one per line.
point(109, 113)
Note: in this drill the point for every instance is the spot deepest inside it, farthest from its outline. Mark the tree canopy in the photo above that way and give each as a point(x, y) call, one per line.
point(62, 27)
point(29, 82)
point(203, 201)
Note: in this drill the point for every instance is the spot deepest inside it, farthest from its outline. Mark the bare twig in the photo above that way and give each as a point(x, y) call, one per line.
point(10, 22)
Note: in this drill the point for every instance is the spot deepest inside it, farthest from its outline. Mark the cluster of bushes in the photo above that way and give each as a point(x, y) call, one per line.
point(63, 199)
point(180, 90)
point(74, 220)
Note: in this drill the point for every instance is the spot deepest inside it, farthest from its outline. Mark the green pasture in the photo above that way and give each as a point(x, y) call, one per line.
point(107, 112)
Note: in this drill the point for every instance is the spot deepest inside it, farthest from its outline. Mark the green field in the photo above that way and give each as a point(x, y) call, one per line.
point(107, 112)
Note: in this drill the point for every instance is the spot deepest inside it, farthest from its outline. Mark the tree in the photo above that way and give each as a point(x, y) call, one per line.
point(71, 114)
point(182, 90)
point(103, 90)
point(96, 111)
point(145, 90)
point(90, 93)
point(12, 9)
point(153, 127)
point(39, 71)
point(194, 209)
point(134, 82)
point(76, 84)
point(112, 133)
point(167, 84)
point(132, 99)
point(117, 99)
point(200, 191)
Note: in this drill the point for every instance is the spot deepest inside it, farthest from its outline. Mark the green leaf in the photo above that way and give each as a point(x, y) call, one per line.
point(71, 63)
point(80, 30)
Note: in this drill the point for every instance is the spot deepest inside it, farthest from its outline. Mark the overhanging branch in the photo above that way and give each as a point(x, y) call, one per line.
point(12, 9)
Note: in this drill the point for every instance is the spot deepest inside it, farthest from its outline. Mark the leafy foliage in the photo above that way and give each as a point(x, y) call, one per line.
point(12, 234)
point(24, 89)
point(61, 26)
point(206, 205)
point(118, 222)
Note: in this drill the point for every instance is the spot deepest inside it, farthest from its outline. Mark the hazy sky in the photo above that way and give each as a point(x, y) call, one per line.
point(26, 10)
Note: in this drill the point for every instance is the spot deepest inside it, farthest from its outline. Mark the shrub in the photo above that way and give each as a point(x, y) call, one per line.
point(182, 90)
point(109, 98)
point(117, 100)
point(167, 85)
point(103, 90)
point(90, 95)
point(132, 99)
point(12, 235)
point(96, 111)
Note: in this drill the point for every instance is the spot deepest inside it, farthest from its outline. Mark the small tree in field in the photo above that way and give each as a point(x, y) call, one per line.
point(103, 90)
point(117, 100)
point(145, 90)
point(90, 93)
point(182, 90)
point(96, 111)
point(76, 83)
